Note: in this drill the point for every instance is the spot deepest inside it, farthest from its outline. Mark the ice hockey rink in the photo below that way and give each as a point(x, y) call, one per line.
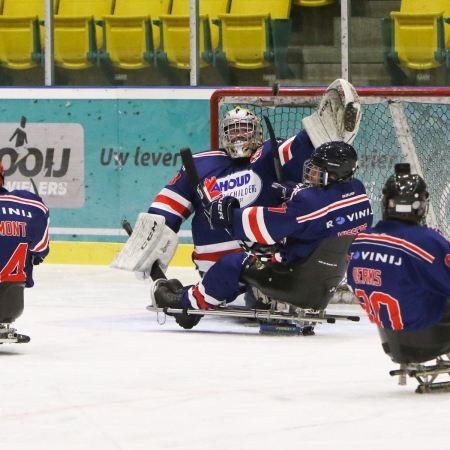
point(101, 373)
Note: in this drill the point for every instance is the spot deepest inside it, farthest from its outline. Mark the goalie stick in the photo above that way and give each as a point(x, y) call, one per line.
point(194, 180)
point(156, 272)
point(274, 146)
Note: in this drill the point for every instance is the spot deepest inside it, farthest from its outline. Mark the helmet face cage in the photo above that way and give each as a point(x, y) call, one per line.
point(241, 133)
point(405, 197)
point(336, 161)
point(314, 175)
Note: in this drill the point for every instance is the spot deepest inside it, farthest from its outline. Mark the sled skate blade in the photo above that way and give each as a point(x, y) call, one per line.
point(279, 329)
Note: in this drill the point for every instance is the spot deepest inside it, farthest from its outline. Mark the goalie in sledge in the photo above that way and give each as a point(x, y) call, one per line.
point(312, 231)
point(400, 273)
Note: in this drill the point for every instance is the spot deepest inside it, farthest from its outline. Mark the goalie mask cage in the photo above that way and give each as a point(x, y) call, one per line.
point(398, 125)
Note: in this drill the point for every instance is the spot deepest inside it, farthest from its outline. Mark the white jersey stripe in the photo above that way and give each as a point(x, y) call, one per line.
point(167, 208)
point(25, 201)
point(43, 243)
point(219, 247)
point(333, 207)
point(284, 150)
point(208, 299)
point(177, 198)
point(192, 299)
point(246, 225)
point(262, 226)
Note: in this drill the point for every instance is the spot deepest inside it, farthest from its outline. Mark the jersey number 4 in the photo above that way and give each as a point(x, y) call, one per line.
point(373, 304)
point(14, 268)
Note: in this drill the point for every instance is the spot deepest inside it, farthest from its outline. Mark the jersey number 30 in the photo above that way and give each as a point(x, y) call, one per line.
point(14, 268)
point(375, 302)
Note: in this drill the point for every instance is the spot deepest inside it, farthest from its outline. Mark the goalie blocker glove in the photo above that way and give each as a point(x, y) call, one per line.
point(220, 212)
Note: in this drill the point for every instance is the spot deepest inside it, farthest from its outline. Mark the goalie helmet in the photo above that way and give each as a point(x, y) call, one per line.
point(2, 174)
point(333, 162)
point(338, 116)
point(405, 196)
point(241, 133)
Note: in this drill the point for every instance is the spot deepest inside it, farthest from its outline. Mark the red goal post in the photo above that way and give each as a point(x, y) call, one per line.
point(398, 125)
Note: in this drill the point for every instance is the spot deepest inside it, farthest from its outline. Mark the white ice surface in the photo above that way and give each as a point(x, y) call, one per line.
point(101, 373)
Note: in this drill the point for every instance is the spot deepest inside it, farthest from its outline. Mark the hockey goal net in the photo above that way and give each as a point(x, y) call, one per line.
point(398, 125)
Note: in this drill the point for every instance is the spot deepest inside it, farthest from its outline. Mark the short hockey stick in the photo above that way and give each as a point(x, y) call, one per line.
point(156, 272)
point(33, 185)
point(274, 146)
point(194, 180)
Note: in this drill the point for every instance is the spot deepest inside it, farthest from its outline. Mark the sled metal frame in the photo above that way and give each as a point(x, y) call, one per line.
point(425, 375)
point(277, 311)
point(9, 335)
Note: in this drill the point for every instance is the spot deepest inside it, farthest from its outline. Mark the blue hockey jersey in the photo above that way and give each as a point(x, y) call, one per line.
point(248, 181)
point(24, 221)
point(312, 214)
point(400, 274)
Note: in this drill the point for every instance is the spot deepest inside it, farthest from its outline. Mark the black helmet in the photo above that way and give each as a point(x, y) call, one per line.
point(332, 162)
point(405, 196)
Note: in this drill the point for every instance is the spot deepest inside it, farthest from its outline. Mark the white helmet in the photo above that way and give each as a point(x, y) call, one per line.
point(337, 117)
point(241, 133)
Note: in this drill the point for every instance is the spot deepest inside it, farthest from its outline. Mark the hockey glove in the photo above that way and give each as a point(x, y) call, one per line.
point(220, 212)
point(36, 260)
point(283, 191)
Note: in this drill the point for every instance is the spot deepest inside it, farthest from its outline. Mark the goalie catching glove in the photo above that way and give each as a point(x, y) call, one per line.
point(338, 116)
point(220, 212)
point(152, 242)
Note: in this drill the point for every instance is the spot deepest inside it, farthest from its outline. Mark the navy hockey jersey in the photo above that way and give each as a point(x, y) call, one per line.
point(249, 182)
point(24, 221)
point(400, 274)
point(312, 214)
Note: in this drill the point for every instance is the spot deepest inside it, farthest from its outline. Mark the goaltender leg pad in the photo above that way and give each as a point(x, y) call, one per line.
point(11, 301)
point(337, 117)
point(151, 241)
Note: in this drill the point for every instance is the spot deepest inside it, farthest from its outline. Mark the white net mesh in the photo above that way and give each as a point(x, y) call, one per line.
point(394, 128)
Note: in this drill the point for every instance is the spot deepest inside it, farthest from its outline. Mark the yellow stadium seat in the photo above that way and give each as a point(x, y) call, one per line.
point(254, 34)
point(312, 2)
point(130, 35)
point(21, 34)
point(417, 37)
point(175, 47)
point(78, 38)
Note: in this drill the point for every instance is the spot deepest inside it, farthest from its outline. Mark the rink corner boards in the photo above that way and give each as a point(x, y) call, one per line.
point(102, 253)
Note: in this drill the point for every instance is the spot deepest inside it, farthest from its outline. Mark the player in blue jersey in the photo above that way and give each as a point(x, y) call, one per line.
point(244, 168)
point(24, 243)
point(329, 203)
point(400, 269)
point(24, 240)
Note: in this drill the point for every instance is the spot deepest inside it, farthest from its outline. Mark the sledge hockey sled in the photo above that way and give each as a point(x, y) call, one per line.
point(11, 308)
point(297, 294)
point(411, 349)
